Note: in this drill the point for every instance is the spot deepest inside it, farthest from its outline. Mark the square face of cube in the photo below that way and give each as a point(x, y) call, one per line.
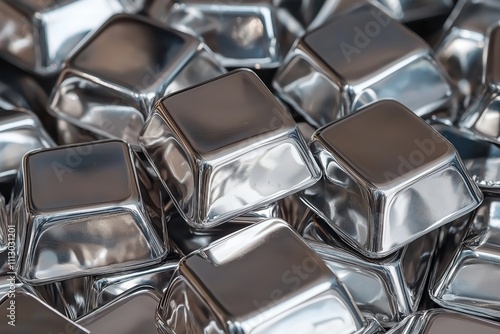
point(291, 269)
point(348, 44)
point(211, 121)
point(133, 53)
point(440, 323)
point(386, 142)
point(78, 176)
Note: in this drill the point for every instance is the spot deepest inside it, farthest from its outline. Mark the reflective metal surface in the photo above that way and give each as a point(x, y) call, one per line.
point(20, 132)
point(412, 10)
point(3, 226)
point(108, 288)
point(297, 293)
point(482, 118)
point(39, 35)
point(465, 35)
point(468, 283)
point(31, 315)
point(481, 157)
point(130, 314)
point(441, 321)
point(250, 34)
point(85, 209)
point(388, 179)
point(329, 75)
point(388, 289)
point(222, 156)
point(110, 85)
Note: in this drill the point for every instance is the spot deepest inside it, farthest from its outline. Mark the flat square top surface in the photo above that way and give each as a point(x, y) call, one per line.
point(477, 16)
point(362, 43)
point(133, 53)
point(225, 111)
point(441, 323)
point(386, 141)
point(242, 271)
point(79, 176)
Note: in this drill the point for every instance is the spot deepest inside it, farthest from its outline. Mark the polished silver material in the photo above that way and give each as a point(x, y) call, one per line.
point(85, 210)
point(3, 226)
point(413, 10)
point(132, 313)
point(251, 34)
point(31, 315)
point(110, 85)
point(482, 118)
point(388, 179)
point(20, 132)
point(387, 289)
point(465, 35)
point(39, 35)
point(222, 156)
point(108, 288)
point(481, 157)
point(295, 212)
point(437, 321)
point(328, 75)
point(288, 288)
point(469, 281)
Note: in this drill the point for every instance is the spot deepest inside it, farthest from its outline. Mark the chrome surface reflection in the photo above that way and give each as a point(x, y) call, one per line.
point(106, 289)
point(328, 75)
point(3, 226)
point(483, 116)
point(439, 321)
point(83, 210)
point(388, 289)
point(109, 86)
point(481, 157)
point(38, 36)
point(34, 316)
point(222, 156)
point(460, 49)
point(130, 314)
point(297, 293)
point(20, 132)
point(388, 179)
point(242, 34)
point(469, 280)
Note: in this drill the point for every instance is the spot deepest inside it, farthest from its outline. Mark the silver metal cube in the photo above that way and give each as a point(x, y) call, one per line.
point(288, 288)
point(85, 210)
point(31, 315)
point(131, 313)
point(388, 179)
point(251, 34)
point(460, 49)
point(110, 85)
point(387, 289)
point(222, 156)
point(438, 321)
point(328, 74)
point(40, 35)
point(471, 273)
point(20, 132)
point(482, 118)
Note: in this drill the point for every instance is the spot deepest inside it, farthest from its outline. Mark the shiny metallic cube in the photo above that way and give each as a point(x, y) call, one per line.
point(329, 74)
point(251, 34)
point(85, 210)
point(40, 35)
point(465, 35)
point(20, 132)
point(287, 286)
point(472, 271)
point(222, 156)
point(110, 85)
point(388, 179)
point(387, 289)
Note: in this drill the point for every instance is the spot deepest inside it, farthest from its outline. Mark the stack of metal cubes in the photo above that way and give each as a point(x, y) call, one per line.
point(250, 167)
